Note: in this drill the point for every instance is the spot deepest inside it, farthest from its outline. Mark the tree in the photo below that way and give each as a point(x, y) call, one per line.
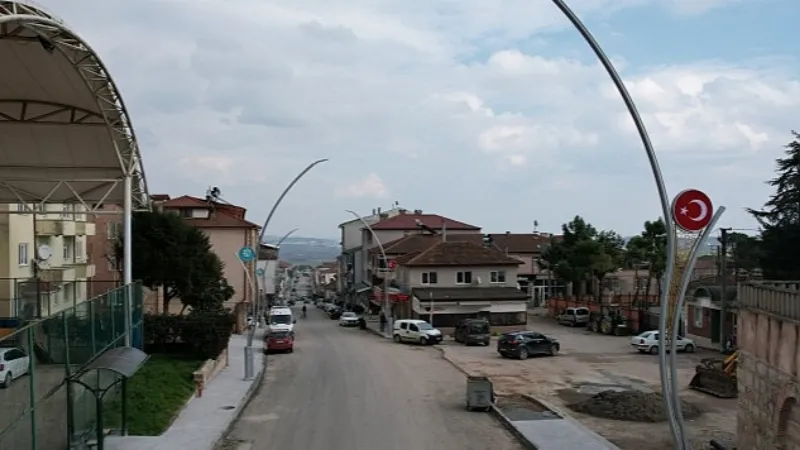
point(654, 243)
point(635, 257)
point(780, 218)
point(745, 251)
point(176, 258)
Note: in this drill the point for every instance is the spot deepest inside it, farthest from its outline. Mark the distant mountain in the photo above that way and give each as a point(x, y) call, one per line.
point(306, 250)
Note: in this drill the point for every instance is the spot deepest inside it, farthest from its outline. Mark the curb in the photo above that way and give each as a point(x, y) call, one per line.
point(252, 391)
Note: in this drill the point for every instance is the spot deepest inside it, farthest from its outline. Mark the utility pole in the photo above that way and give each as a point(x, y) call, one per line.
point(723, 265)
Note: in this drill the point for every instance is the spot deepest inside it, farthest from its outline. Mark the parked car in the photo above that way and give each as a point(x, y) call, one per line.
point(280, 341)
point(413, 330)
point(13, 364)
point(348, 319)
point(522, 344)
point(574, 316)
point(473, 332)
point(647, 342)
point(335, 313)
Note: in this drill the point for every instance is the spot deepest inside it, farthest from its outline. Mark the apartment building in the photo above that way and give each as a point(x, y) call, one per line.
point(101, 248)
point(228, 231)
point(44, 267)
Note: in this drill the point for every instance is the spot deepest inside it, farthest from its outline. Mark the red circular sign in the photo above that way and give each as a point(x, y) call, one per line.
point(392, 264)
point(692, 210)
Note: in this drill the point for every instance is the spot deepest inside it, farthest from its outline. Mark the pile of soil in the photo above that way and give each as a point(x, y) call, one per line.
point(631, 406)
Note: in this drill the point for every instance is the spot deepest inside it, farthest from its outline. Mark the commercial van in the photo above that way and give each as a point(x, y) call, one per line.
point(280, 319)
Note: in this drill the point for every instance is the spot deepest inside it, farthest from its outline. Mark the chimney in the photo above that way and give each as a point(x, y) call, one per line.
point(379, 211)
point(417, 212)
point(507, 233)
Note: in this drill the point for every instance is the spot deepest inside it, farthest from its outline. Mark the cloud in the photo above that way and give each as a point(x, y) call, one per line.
point(370, 186)
point(492, 112)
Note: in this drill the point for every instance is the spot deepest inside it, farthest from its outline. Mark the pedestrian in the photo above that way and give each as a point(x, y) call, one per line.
point(383, 321)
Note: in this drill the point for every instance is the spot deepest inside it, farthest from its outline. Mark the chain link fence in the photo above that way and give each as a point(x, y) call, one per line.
point(38, 409)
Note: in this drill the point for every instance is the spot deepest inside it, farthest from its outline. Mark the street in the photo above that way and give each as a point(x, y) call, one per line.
point(347, 389)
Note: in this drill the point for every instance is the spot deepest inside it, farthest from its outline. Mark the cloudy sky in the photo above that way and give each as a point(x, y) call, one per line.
point(492, 112)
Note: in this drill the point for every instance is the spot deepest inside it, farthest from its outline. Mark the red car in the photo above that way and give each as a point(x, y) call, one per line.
point(280, 341)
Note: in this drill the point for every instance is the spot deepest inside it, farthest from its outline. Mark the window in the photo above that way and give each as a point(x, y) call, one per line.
point(112, 230)
point(463, 277)
point(69, 247)
point(508, 319)
point(497, 276)
point(429, 278)
point(22, 254)
point(21, 207)
point(65, 211)
point(698, 317)
point(78, 248)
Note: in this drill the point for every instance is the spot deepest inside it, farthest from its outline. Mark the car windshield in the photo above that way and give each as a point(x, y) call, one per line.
point(280, 320)
point(479, 328)
point(349, 314)
point(424, 326)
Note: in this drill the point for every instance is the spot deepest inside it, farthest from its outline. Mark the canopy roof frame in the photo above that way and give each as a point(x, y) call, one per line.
point(25, 22)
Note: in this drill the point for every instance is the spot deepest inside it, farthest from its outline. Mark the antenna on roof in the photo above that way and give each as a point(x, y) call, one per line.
point(213, 194)
point(444, 230)
point(424, 227)
point(535, 225)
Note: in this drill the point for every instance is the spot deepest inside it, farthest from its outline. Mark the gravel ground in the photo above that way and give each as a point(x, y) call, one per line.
point(632, 406)
point(346, 389)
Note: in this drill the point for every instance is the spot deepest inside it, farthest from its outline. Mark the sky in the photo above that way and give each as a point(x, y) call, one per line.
point(491, 112)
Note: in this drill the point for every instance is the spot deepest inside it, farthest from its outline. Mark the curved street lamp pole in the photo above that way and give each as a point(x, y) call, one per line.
point(280, 241)
point(249, 370)
point(387, 312)
point(677, 427)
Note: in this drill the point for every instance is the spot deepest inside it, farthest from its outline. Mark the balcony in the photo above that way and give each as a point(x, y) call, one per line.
point(83, 270)
point(64, 227)
point(58, 274)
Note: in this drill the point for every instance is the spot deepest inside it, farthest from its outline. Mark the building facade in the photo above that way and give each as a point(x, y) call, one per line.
point(769, 366)
point(45, 268)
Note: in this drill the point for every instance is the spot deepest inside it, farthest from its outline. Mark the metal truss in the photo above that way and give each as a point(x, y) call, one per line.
point(27, 22)
point(101, 190)
point(46, 113)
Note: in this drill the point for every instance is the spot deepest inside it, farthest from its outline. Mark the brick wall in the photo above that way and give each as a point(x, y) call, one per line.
point(769, 339)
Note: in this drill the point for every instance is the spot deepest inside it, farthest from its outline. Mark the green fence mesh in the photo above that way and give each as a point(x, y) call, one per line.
point(38, 409)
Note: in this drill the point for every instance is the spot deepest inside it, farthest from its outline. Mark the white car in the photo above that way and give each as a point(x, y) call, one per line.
point(647, 342)
point(13, 364)
point(348, 319)
point(413, 330)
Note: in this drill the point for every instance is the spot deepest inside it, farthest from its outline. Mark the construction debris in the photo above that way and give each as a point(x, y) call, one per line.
point(631, 406)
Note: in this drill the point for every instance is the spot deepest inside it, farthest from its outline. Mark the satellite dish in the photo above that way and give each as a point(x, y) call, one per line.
point(44, 252)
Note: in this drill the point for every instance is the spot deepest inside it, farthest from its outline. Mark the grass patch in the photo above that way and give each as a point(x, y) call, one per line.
point(156, 394)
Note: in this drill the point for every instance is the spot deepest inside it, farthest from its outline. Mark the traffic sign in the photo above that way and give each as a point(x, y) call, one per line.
point(692, 210)
point(247, 254)
point(260, 272)
point(392, 264)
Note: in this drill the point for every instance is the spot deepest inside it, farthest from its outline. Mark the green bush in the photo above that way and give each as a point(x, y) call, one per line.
point(200, 334)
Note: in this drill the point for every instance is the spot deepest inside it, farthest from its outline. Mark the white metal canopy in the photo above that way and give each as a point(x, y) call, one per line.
point(65, 136)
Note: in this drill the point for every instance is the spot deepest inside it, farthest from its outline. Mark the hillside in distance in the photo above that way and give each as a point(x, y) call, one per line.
point(306, 250)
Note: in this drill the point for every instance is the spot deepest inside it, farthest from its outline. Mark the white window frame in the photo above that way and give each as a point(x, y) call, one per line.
point(112, 230)
point(494, 277)
point(22, 208)
point(464, 274)
point(69, 250)
point(23, 259)
point(697, 314)
point(425, 278)
point(77, 251)
point(65, 211)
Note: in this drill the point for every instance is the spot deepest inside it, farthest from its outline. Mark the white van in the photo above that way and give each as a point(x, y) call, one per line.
point(280, 319)
point(413, 330)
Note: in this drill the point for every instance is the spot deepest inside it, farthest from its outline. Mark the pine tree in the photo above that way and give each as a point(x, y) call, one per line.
point(780, 218)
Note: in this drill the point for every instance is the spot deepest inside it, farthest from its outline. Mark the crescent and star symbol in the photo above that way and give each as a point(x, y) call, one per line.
point(691, 210)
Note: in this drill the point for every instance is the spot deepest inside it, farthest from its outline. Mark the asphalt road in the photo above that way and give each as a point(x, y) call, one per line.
point(347, 389)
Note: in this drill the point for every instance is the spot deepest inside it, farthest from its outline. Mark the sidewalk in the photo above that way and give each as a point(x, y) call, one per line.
point(204, 420)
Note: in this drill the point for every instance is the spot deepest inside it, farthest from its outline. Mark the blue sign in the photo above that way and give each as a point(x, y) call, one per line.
point(260, 272)
point(247, 254)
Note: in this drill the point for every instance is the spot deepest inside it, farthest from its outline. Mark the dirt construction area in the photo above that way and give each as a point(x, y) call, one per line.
point(606, 385)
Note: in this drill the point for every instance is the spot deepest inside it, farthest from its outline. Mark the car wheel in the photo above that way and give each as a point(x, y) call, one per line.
point(654, 350)
point(689, 348)
point(423, 340)
point(7, 380)
point(553, 350)
point(523, 353)
point(397, 338)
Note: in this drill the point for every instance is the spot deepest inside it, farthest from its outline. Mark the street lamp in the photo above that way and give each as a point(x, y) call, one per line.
point(674, 412)
point(387, 312)
point(280, 241)
point(249, 370)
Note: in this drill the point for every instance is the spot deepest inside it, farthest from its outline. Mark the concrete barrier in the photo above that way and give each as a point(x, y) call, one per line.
point(210, 369)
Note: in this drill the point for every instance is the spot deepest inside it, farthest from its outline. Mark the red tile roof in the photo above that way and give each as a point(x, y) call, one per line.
point(421, 242)
point(452, 253)
point(521, 243)
point(221, 215)
point(159, 197)
point(407, 221)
